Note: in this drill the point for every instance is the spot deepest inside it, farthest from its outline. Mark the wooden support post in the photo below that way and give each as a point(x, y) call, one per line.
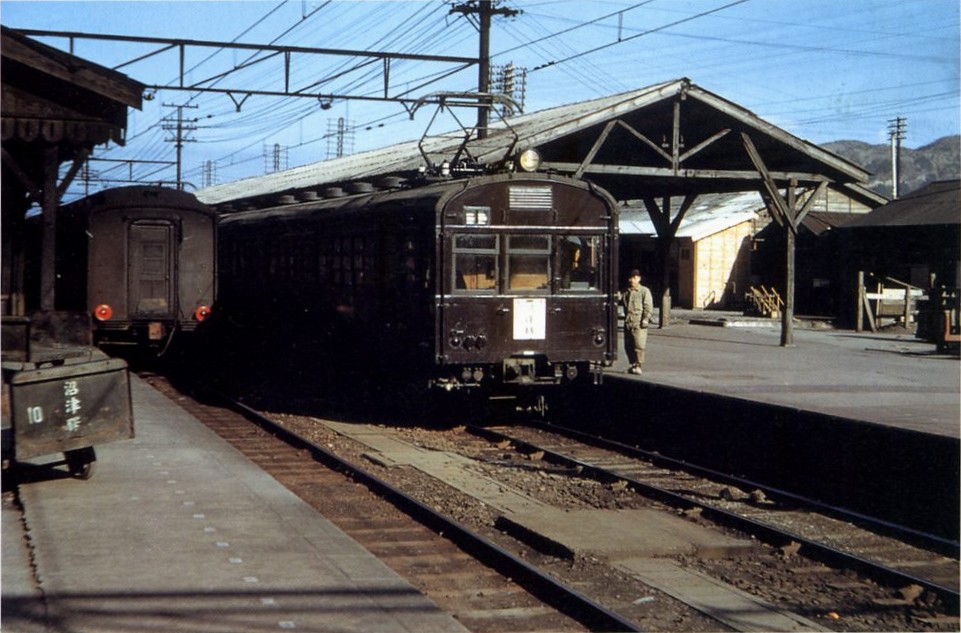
point(859, 323)
point(867, 306)
point(664, 246)
point(907, 306)
point(665, 242)
point(786, 212)
point(787, 314)
point(787, 317)
point(666, 229)
point(879, 292)
point(676, 138)
point(48, 257)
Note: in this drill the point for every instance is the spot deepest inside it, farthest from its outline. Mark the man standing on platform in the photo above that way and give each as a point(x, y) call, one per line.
point(638, 307)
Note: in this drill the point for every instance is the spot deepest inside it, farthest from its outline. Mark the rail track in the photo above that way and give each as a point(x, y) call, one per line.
point(521, 586)
point(483, 585)
point(887, 553)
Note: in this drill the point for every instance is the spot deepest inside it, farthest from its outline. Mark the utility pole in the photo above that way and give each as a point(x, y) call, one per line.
point(484, 10)
point(510, 81)
point(179, 128)
point(897, 128)
point(208, 173)
point(340, 138)
point(275, 158)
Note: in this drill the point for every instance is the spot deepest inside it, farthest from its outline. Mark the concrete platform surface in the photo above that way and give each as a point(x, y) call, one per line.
point(890, 379)
point(617, 534)
point(176, 532)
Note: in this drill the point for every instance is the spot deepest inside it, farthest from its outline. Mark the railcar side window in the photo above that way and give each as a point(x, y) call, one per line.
point(578, 262)
point(475, 263)
point(359, 261)
point(528, 262)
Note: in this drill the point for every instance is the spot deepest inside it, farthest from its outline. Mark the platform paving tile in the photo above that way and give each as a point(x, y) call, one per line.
point(177, 531)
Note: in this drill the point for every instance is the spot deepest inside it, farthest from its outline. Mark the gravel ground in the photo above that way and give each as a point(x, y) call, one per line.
point(835, 600)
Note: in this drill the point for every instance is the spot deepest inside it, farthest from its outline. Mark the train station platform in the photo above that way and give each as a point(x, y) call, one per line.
point(865, 421)
point(889, 379)
point(177, 531)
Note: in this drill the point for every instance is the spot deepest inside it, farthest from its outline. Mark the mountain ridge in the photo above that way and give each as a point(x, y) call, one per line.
point(938, 160)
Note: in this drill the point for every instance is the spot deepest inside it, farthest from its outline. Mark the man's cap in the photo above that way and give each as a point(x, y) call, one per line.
point(634, 273)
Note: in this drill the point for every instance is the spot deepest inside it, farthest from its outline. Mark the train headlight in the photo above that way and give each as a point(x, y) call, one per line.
point(469, 341)
point(481, 341)
point(529, 160)
point(202, 313)
point(599, 337)
point(103, 312)
point(455, 340)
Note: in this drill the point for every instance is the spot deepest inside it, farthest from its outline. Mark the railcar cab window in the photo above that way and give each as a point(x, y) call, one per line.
point(579, 262)
point(528, 262)
point(534, 263)
point(475, 263)
point(477, 215)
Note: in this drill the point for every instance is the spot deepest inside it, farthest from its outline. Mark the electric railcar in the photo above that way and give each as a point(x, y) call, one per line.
point(490, 281)
point(140, 260)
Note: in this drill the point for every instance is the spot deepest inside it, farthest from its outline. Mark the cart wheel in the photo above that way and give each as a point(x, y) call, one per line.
point(80, 462)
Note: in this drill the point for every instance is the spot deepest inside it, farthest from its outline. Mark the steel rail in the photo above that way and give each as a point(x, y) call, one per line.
point(767, 533)
point(551, 591)
point(941, 545)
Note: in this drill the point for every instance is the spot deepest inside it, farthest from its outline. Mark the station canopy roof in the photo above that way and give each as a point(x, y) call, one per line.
point(669, 139)
point(52, 100)
point(56, 97)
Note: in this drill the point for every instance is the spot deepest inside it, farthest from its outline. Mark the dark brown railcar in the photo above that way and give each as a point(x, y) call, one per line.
point(141, 260)
point(486, 281)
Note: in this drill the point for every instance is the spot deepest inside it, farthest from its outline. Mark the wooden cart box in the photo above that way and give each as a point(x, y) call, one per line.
point(69, 407)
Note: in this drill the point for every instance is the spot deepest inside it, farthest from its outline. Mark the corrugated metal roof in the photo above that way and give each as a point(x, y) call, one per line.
point(405, 157)
point(939, 203)
point(538, 129)
point(710, 214)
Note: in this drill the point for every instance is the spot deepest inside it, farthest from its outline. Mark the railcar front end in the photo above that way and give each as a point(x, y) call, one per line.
point(525, 282)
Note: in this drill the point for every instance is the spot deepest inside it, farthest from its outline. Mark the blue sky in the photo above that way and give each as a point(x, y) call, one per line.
point(823, 70)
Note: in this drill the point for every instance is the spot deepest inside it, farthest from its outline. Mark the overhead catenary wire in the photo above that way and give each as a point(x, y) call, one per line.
point(727, 54)
point(637, 35)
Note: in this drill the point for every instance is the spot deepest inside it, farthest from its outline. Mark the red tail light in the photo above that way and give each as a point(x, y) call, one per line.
point(201, 313)
point(103, 312)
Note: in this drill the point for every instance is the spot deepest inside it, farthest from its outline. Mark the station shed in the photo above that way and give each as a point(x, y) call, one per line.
point(670, 141)
point(728, 244)
point(914, 238)
point(710, 260)
point(820, 284)
point(910, 245)
point(56, 107)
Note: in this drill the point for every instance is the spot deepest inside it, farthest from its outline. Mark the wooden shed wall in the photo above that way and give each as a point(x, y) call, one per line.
point(718, 271)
